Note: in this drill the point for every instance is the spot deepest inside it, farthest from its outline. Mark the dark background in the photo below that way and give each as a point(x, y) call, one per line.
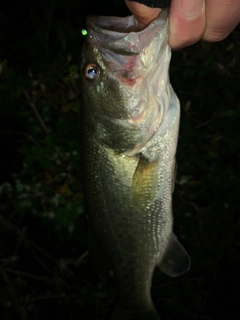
point(45, 268)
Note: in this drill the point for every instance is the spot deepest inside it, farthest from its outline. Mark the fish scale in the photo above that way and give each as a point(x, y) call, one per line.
point(130, 137)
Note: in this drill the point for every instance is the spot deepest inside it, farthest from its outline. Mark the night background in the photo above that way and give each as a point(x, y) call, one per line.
point(46, 270)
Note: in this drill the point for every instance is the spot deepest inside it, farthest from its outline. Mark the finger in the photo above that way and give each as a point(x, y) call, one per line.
point(142, 13)
point(222, 17)
point(187, 22)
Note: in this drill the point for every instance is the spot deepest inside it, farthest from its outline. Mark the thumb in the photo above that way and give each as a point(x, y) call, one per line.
point(142, 13)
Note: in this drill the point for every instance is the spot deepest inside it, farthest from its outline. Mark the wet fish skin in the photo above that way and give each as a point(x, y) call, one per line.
point(130, 132)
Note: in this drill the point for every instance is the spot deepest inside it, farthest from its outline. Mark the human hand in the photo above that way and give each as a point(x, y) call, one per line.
point(192, 20)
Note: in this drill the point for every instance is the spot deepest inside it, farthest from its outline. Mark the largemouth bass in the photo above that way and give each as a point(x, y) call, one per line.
point(130, 132)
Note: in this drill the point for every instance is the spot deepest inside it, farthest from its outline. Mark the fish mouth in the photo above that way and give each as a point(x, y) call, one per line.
point(110, 25)
point(125, 36)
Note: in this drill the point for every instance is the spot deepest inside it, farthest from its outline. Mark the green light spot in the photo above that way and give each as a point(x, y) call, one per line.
point(84, 32)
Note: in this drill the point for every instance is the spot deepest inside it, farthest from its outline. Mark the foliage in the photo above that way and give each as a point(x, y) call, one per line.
point(44, 262)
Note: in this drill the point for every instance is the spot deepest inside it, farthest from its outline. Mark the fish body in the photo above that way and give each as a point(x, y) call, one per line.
point(130, 131)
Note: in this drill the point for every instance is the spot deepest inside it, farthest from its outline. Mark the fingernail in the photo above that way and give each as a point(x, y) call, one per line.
point(191, 8)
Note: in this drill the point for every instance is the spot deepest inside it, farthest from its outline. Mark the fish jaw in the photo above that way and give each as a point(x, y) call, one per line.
point(132, 92)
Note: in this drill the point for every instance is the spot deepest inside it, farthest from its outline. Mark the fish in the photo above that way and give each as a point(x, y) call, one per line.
point(130, 123)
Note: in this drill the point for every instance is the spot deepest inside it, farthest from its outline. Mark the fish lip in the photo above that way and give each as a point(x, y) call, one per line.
point(124, 34)
point(104, 25)
point(101, 24)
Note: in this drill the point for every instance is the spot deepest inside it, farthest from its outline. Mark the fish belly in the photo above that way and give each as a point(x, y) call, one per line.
point(133, 236)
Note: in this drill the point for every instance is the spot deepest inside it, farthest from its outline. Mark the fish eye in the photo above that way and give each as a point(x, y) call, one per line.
point(91, 72)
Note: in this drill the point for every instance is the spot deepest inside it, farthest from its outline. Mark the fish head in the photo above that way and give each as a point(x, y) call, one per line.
point(125, 78)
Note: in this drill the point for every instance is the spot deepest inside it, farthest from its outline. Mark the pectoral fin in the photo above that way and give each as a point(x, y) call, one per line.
point(144, 182)
point(176, 260)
